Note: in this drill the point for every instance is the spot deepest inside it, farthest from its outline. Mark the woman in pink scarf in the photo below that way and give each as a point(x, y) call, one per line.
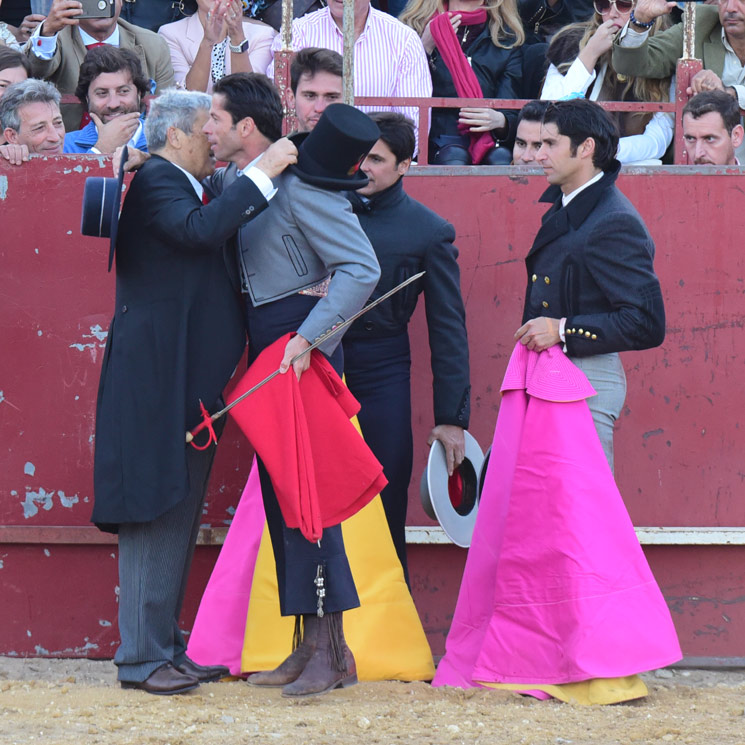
point(474, 51)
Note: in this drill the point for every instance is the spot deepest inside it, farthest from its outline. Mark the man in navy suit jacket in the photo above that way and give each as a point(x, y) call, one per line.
point(591, 280)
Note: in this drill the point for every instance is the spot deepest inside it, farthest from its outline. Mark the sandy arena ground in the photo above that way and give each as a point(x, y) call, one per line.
point(78, 701)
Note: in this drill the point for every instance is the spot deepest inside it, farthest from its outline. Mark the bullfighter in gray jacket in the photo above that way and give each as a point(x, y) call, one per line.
point(306, 267)
point(591, 279)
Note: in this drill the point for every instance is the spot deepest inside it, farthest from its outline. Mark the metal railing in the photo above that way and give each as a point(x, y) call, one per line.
point(423, 105)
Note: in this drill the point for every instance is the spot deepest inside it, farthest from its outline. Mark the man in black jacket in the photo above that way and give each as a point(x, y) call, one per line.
point(175, 339)
point(591, 280)
point(407, 238)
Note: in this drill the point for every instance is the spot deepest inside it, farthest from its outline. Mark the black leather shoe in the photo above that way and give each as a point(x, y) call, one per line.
point(164, 681)
point(203, 673)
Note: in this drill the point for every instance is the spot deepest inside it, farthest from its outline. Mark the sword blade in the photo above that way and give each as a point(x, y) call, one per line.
point(320, 340)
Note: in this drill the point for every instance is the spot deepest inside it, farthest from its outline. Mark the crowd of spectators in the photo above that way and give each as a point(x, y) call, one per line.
point(606, 50)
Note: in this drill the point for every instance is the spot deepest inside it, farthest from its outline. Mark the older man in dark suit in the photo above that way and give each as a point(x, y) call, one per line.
point(175, 339)
point(591, 280)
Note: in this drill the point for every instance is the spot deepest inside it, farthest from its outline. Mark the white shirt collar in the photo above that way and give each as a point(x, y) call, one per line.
point(197, 186)
point(113, 40)
point(566, 198)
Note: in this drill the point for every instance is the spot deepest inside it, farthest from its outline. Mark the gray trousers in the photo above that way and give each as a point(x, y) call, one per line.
point(154, 562)
point(606, 375)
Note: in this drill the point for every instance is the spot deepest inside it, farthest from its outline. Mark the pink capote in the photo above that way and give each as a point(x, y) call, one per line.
point(464, 78)
point(556, 588)
point(220, 625)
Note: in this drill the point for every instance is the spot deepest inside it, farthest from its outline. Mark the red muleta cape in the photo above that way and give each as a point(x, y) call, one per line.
point(321, 468)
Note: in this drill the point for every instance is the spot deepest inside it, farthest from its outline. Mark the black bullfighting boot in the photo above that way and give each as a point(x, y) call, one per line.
point(304, 644)
point(331, 665)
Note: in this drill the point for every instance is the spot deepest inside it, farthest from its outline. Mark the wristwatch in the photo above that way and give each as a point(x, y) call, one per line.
point(242, 47)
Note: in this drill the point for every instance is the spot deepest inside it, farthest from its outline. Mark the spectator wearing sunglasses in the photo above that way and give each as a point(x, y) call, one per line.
point(719, 43)
point(581, 66)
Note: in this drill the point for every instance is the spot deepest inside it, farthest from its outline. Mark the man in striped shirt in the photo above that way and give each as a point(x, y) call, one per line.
point(389, 59)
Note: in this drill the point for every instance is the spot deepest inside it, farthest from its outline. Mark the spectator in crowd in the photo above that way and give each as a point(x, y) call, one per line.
point(58, 45)
point(216, 41)
point(580, 64)
point(712, 130)
point(474, 52)
point(407, 238)
point(389, 59)
point(112, 86)
point(528, 134)
point(31, 121)
point(7, 36)
point(14, 67)
point(152, 14)
point(316, 82)
point(719, 43)
point(22, 16)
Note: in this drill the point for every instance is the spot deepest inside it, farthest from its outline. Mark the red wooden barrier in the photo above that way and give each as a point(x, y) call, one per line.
point(679, 442)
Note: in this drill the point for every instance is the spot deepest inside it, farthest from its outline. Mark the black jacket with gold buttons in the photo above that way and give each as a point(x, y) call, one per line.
point(592, 262)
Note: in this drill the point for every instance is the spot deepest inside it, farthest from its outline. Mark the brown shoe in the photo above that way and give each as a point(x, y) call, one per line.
point(164, 681)
point(203, 673)
point(293, 665)
point(331, 666)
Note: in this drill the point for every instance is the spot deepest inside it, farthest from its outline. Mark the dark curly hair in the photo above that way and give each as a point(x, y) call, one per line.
point(110, 59)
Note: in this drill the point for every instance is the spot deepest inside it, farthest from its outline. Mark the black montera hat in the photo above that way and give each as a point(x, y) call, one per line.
point(101, 204)
point(330, 155)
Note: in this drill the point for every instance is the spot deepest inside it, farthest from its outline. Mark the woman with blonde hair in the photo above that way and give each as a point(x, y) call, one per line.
point(474, 50)
point(580, 65)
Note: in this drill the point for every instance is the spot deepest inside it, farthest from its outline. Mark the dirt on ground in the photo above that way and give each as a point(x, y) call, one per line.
point(79, 701)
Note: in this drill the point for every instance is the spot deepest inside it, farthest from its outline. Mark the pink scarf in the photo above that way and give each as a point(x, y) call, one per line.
point(464, 78)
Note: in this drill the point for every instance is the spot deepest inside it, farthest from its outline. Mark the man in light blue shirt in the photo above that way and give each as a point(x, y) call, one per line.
point(112, 87)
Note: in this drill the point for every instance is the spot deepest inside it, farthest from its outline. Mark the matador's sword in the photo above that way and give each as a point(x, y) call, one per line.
point(320, 340)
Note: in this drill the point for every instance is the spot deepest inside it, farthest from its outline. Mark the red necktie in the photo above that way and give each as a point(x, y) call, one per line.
point(95, 44)
point(205, 198)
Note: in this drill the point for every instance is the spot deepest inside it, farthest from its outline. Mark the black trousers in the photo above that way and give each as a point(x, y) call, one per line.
point(298, 559)
point(378, 373)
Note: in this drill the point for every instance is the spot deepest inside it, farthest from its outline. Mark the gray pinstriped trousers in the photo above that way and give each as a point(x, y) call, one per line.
point(154, 562)
point(606, 375)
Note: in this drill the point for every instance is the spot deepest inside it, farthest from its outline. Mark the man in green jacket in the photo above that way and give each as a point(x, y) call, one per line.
point(719, 43)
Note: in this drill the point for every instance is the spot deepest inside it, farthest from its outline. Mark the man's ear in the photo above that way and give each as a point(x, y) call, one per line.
point(174, 136)
point(738, 133)
point(11, 136)
point(403, 166)
point(587, 148)
point(245, 127)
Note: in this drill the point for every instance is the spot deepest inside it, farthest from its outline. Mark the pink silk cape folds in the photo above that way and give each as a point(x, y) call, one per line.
point(556, 588)
point(219, 627)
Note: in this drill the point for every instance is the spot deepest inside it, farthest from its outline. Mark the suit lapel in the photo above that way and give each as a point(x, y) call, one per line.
point(555, 223)
point(713, 53)
point(78, 46)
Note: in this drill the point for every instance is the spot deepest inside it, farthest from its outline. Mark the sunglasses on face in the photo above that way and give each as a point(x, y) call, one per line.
point(622, 6)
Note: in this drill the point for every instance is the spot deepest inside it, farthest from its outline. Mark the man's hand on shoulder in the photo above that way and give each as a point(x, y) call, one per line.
point(62, 13)
point(14, 154)
point(118, 131)
point(277, 157)
point(453, 440)
point(294, 347)
point(539, 333)
point(135, 158)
